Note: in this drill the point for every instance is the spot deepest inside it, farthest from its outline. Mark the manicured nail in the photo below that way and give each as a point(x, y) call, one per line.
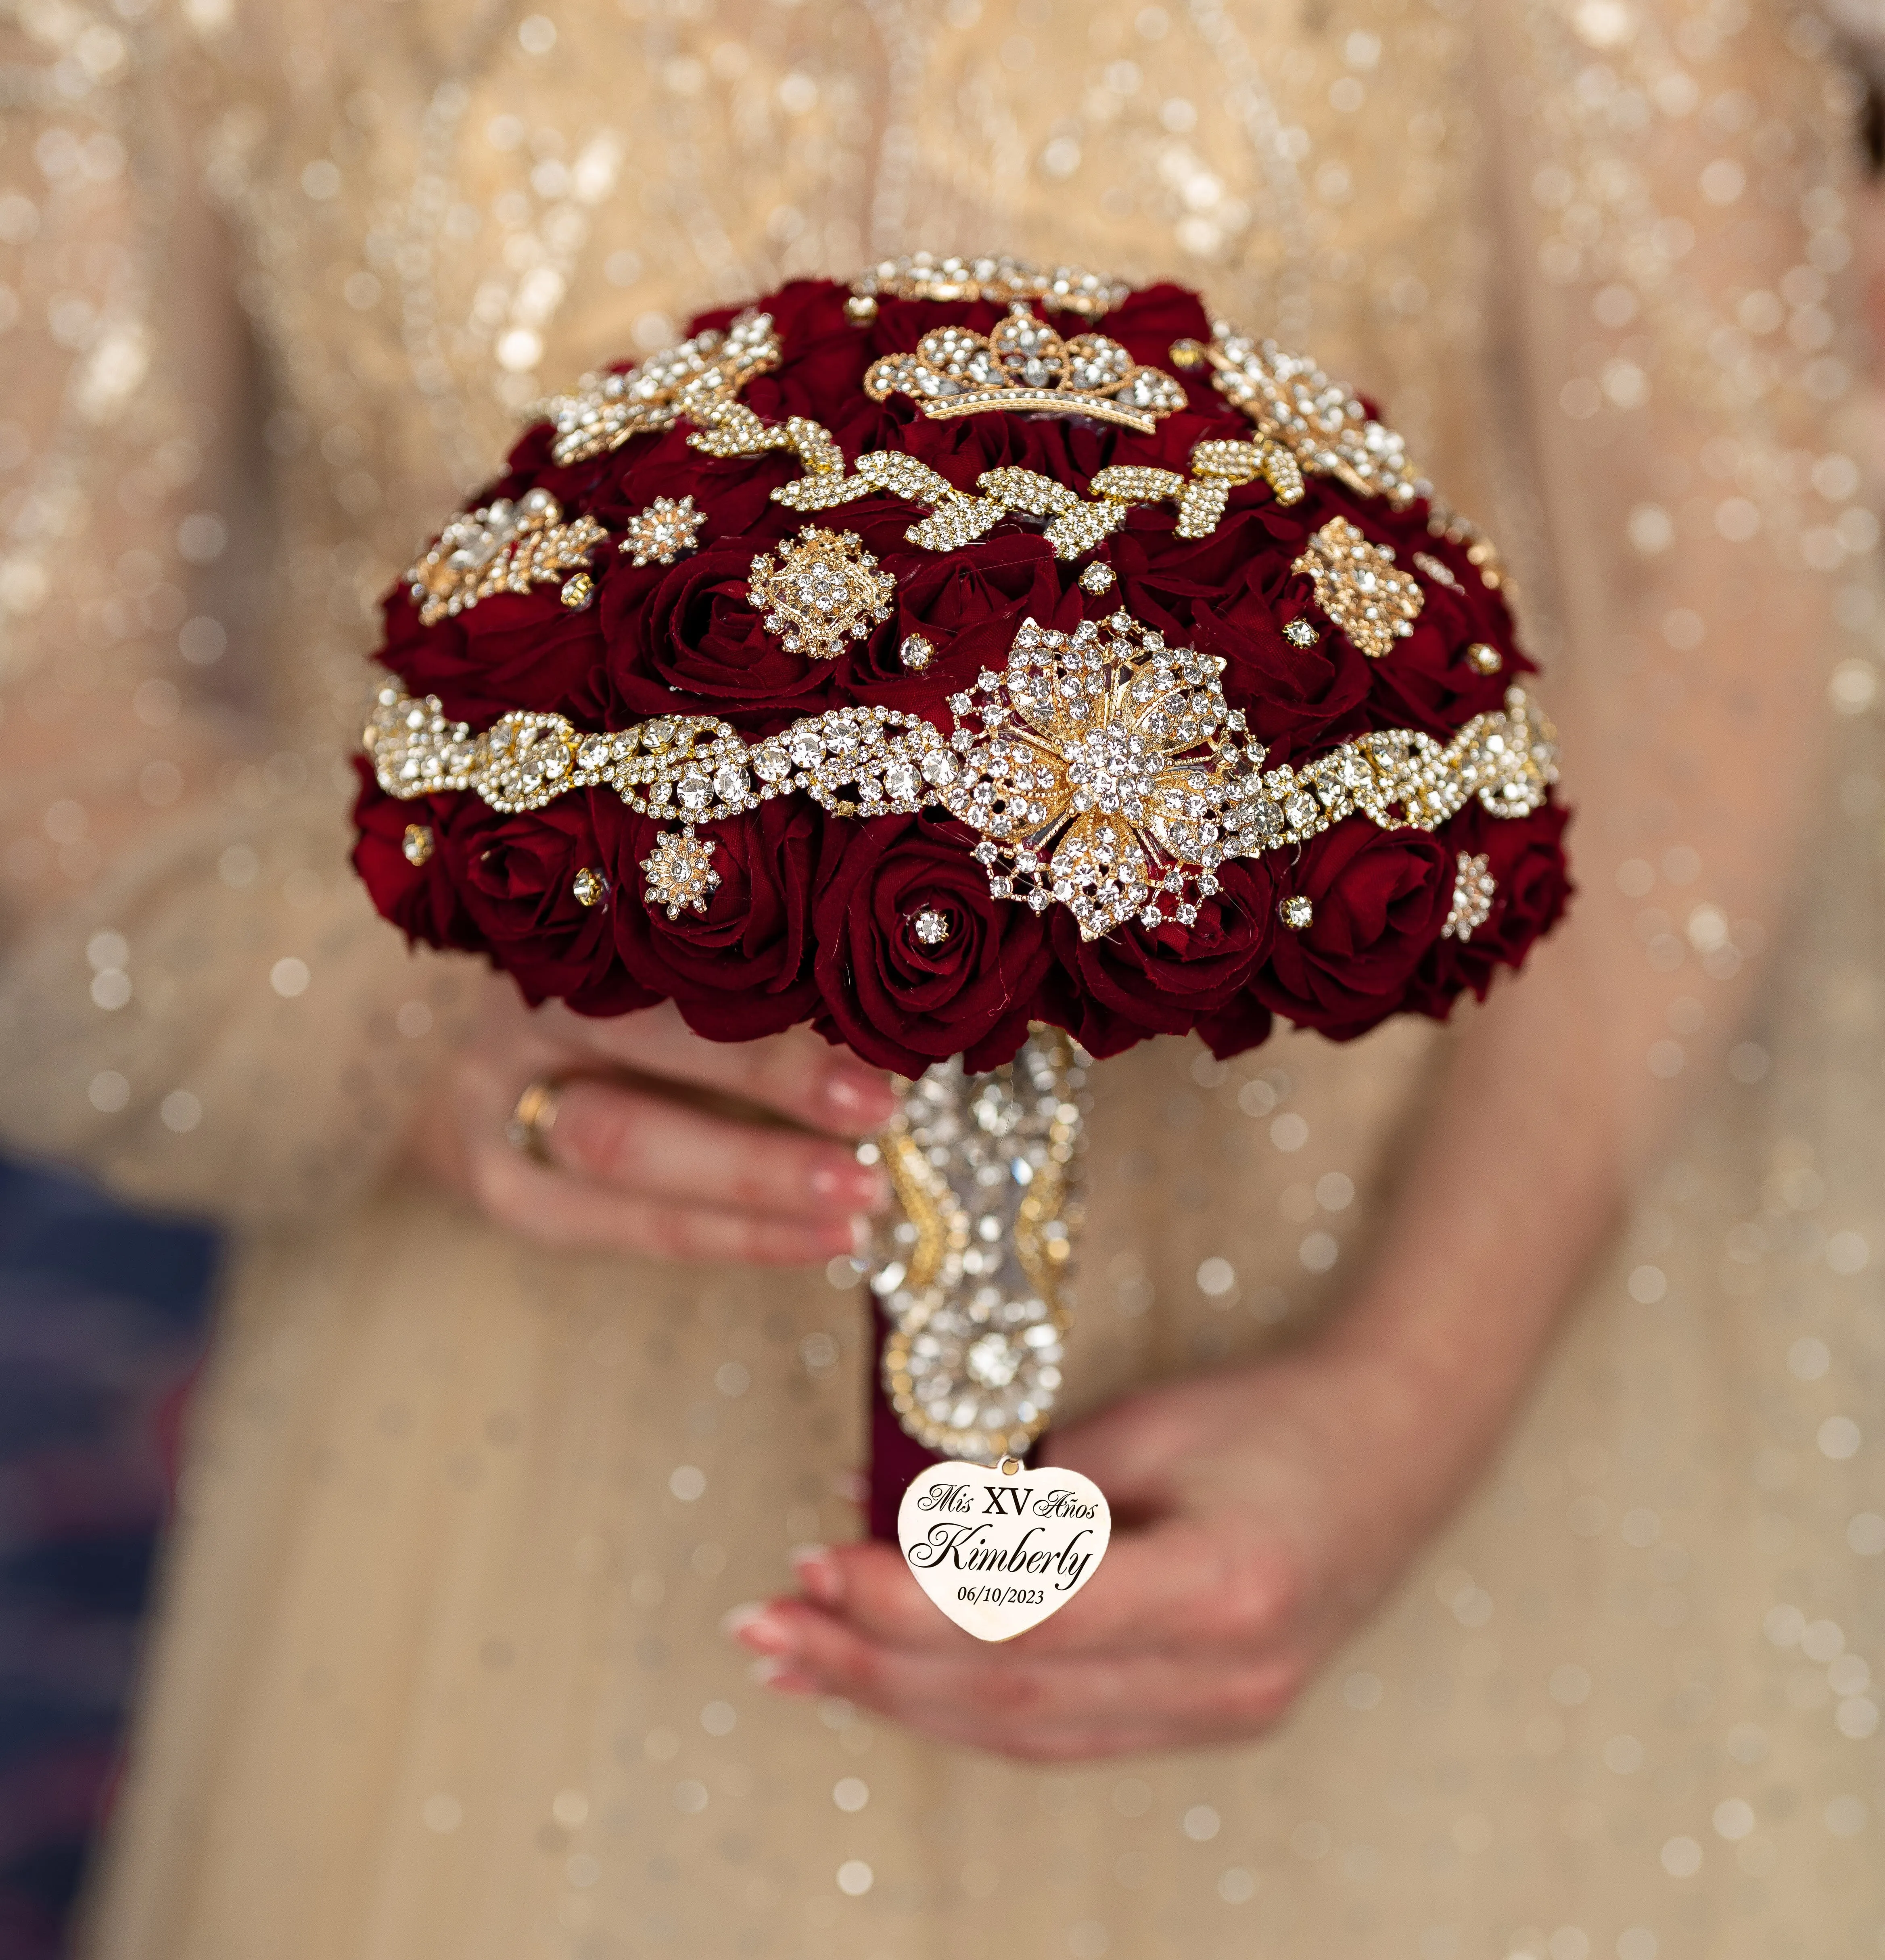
point(776, 1676)
point(853, 1185)
point(863, 1102)
point(764, 1632)
point(851, 1485)
point(819, 1575)
point(861, 1238)
point(736, 1619)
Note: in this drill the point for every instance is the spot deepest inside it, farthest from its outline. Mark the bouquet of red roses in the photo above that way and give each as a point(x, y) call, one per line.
point(972, 650)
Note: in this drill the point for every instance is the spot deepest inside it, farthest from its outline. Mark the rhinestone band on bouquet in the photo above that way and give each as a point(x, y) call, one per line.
point(991, 667)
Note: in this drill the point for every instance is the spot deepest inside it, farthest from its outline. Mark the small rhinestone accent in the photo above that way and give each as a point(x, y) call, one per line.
point(680, 873)
point(916, 652)
point(1297, 912)
point(930, 926)
point(1482, 659)
point(1097, 578)
point(417, 843)
point(669, 529)
point(1474, 889)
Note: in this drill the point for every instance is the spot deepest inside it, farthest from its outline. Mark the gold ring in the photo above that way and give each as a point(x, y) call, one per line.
point(533, 1117)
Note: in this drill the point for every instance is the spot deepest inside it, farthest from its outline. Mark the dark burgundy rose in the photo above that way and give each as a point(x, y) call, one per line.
point(701, 643)
point(1148, 321)
point(970, 605)
point(733, 493)
point(517, 649)
point(916, 961)
point(1380, 898)
point(742, 968)
point(516, 878)
point(423, 900)
point(1242, 1023)
point(1428, 682)
point(1160, 980)
point(1525, 859)
point(1225, 595)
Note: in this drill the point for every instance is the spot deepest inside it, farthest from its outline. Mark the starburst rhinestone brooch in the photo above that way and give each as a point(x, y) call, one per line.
point(680, 874)
point(667, 530)
point(824, 590)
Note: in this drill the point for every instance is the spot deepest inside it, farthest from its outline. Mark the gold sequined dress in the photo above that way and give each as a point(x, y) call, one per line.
point(437, 1671)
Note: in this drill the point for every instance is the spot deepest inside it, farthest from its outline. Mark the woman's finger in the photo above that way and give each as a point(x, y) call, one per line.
point(645, 1147)
point(797, 1074)
point(1178, 1587)
point(1001, 1698)
point(557, 1208)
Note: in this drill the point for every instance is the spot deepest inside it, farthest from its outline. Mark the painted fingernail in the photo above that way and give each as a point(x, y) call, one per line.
point(736, 1619)
point(764, 1632)
point(851, 1485)
point(819, 1575)
point(864, 1101)
point(853, 1185)
point(779, 1677)
point(860, 1238)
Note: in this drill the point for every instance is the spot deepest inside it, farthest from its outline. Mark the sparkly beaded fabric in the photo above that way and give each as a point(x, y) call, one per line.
point(436, 1672)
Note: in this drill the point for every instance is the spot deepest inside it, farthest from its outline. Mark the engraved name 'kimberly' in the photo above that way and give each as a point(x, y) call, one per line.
point(1004, 1501)
point(967, 1547)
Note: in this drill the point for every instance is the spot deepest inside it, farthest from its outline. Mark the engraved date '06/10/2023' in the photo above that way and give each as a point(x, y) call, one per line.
point(970, 1534)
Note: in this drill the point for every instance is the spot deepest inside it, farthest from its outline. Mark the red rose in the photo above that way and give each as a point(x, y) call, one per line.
point(970, 605)
point(1225, 595)
point(1525, 859)
point(1380, 898)
point(422, 900)
point(515, 650)
point(516, 877)
point(1136, 981)
point(700, 642)
point(1147, 322)
point(742, 968)
point(1427, 682)
point(1242, 1023)
point(916, 961)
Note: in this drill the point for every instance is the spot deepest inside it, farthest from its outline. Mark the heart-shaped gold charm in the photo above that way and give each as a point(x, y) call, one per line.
point(1000, 1551)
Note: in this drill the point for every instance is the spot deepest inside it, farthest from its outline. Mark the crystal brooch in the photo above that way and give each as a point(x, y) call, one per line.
point(824, 590)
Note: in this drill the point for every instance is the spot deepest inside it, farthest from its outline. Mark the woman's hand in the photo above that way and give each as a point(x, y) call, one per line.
point(647, 1154)
point(1257, 1517)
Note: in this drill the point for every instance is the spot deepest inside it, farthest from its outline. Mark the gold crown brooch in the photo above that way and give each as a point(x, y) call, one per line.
point(1024, 365)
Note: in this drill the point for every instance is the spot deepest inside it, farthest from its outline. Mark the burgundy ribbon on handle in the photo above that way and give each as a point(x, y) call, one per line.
point(897, 1458)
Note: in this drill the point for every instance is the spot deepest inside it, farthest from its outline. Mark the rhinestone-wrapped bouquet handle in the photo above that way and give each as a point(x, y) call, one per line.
point(968, 1273)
